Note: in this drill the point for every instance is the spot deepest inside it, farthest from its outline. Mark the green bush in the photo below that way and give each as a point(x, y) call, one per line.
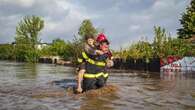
point(7, 52)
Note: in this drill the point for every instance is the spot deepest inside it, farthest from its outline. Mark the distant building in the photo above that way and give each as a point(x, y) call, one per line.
point(41, 45)
point(38, 46)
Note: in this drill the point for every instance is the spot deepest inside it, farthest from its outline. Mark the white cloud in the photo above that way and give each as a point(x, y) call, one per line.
point(23, 3)
point(134, 27)
point(69, 22)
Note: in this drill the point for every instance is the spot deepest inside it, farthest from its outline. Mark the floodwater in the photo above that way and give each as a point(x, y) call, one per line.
point(28, 87)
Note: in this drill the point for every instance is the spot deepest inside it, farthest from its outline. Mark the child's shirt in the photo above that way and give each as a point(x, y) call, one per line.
point(89, 49)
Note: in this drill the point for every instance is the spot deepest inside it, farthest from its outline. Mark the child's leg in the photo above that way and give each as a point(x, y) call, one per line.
point(80, 79)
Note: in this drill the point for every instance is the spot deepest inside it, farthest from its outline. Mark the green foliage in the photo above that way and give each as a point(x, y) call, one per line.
point(87, 29)
point(46, 51)
point(29, 28)
point(159, 41)
point(75, 48)
point(162, 46)
point(147, 50)
point(22, 47)
point(58, 47)
point(26, 38)
point(62, 48)
point(135, 51)
point(188, 22)
point(165, 45)
point(140, 50)
point(178, 47)
point(66, 50)
point(123, 53)
point(32, 55)
point(193, 49)
point(7, 52)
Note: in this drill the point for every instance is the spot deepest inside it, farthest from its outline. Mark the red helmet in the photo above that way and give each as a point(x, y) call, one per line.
point(101, 37)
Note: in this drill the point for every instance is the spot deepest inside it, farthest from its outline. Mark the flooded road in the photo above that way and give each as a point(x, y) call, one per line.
point(19, 82)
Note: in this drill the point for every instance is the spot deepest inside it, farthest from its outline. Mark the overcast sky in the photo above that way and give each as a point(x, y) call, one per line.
point(124, 21)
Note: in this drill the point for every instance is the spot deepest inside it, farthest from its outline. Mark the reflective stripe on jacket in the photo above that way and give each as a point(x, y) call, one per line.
point(89, 60)
point(86, 75)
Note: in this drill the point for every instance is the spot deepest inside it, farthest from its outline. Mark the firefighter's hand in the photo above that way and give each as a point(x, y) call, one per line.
point(109, 63)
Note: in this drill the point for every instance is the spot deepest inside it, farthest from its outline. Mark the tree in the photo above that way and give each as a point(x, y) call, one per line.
point(27, 33)
point(75, 48)
point(87, 29)
point(146, 50)
point(66, 50)
point(178, 47)
point(135, 51)
point(58, 47)
point(62, 48)
point(188, 22)
point(159, 41)
point(29, 28)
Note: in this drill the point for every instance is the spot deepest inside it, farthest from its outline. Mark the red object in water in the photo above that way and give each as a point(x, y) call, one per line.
point(170, 59)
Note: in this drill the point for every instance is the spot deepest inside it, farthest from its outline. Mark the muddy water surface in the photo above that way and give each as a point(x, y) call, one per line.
point(28, 87)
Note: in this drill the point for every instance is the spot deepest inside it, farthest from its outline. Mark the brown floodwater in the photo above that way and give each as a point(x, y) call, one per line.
point(28, 87)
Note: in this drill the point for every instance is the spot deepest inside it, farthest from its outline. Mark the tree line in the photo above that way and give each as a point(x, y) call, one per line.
point(163, 45)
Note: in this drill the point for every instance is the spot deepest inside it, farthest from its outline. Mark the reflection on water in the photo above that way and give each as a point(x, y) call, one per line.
point(26, 71)
point(19, 81)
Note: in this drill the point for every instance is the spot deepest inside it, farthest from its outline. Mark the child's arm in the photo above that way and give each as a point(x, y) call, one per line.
point(92, 51)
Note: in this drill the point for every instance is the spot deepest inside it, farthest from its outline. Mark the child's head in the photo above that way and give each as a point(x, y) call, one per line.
point(90, 40)
point(104, 46)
